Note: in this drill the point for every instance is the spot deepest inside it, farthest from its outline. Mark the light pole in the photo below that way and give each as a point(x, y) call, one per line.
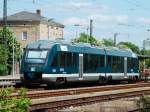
point(115, 38)
point(76, 25)
point(5, 22)
point(87, 30)
point(91, 28)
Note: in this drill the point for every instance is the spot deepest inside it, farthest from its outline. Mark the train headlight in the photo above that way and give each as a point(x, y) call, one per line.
point(32, 69)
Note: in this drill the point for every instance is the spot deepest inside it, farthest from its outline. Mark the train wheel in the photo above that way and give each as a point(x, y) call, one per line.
point(102, 80)
point(51, 85)
point(27, 85)
point(132, 79)
point(65, 83)
point(61, 82)
point(136, 79)
point(109, 79)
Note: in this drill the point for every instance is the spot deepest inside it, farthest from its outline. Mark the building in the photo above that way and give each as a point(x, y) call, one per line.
point(29, 27)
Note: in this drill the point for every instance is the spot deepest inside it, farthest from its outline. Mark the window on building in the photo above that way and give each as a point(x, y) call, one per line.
point(55, 28)
point(24, 35)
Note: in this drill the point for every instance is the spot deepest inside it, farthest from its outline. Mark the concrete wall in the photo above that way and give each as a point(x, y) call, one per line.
point(43, 31)
point(33, 33)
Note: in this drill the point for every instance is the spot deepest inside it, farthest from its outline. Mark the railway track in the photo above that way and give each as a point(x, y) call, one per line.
point(59, 98)
point(32, 94)
point(58, 105)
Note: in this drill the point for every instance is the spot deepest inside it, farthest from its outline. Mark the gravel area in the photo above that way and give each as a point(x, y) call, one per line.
point(122, 105)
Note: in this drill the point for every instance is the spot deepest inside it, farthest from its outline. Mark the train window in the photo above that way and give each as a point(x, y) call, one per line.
point(129, 65)
point(55, 61)
point(43, 54)
point(117, 64)
point(65, 59)
point(73, 60)
point(93, 63)
point(37, 54)
point(120, 64)
point(132, 65)
point(109, 62)
point(90, 63)
point(85, 63)
point(101, 61)
point(70, 60)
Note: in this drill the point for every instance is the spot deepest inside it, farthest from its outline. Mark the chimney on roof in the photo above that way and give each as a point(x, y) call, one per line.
point(38, 12)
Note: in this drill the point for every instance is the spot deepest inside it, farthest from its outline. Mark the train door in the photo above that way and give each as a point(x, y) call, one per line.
point(80, 66)
point(125, 67)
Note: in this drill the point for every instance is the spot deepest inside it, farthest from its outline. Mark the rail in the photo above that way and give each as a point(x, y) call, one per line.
point(75, 91)
point(52, 106)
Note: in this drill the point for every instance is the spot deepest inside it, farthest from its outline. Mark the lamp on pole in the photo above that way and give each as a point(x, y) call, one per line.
point(76, 25)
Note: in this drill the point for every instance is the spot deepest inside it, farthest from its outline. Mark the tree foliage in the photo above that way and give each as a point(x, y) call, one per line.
point(3, 59)
point(7, 51)
point(8, 104)
point(123, 47)
point(108, 42)
point(146, 61)
point(132, 46)
point(144, 104)
point(86, 39)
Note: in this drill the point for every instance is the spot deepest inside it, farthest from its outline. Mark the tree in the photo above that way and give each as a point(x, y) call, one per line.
point(86, 39)
point(9, 104)
point(146, 61)
point(9, 48)
point(3, 60)
point(108, 42)
point(143, 104)
point(130, 45)
point(123, 47)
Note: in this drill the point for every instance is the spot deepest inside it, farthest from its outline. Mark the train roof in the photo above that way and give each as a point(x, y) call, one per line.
point(80, 48)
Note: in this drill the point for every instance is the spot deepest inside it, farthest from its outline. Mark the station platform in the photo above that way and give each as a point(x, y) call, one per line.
point(17, 76)
point(9, 80)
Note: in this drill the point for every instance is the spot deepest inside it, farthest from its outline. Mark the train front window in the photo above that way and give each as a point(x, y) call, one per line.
point(36, 56)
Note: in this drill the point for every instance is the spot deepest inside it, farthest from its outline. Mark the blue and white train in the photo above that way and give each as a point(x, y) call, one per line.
point(46, 61)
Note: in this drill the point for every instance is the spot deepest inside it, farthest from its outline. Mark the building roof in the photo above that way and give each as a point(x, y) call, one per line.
point(30, 17)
